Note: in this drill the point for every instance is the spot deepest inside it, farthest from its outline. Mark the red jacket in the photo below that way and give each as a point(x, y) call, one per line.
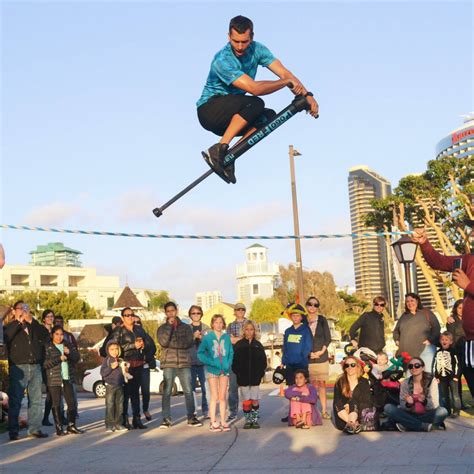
point(443, 263)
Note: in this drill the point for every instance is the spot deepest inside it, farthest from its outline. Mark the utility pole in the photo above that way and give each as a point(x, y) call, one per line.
point(296, 226)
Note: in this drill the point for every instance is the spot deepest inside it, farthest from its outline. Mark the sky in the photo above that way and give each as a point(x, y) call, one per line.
point(99, 126)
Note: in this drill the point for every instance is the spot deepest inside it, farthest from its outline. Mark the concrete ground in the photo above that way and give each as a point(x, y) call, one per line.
point(274, 447)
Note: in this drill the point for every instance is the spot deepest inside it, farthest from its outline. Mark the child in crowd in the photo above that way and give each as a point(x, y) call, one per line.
point(113, 374)
point(303, 399)
point(216, 353)
point(381, 366)
point(250, 362)
point(446, 369)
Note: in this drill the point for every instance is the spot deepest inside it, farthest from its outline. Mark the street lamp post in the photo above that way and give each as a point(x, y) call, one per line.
point(405, 250)
point(296, 226)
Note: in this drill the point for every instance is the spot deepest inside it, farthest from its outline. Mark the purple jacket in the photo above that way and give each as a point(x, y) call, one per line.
point(312, 398)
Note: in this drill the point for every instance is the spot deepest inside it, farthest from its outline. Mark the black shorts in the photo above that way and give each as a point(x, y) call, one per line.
point(215, 115)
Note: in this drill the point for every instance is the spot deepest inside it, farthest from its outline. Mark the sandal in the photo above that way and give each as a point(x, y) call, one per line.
point(225, 428)
point(299, 424)
point(214, 428)
point(305, 427)
point(357, 428)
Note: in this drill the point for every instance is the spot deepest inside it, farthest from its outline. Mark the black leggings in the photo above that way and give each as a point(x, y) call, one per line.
point(215, 115)
point(57, 392)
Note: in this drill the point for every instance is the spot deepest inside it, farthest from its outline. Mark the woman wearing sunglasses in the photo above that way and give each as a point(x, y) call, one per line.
point(318, 358)
point(370, 327)
point(352, 398)
point(419, 408)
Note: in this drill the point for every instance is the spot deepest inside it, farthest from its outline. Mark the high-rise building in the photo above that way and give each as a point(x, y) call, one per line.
point(256, 277)
point(458, 144)
point(208, 299)
point(372, 256)
point(55, 254)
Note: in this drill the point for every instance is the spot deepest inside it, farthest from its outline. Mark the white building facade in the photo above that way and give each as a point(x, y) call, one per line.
point(256, 277)
point(208, 299)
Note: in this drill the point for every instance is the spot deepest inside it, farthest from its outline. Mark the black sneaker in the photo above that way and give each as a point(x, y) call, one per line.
point(284, 419)
point(229, 172)
point(214, 157)
point(400, 427)
point(14, 436)
point(165, 424)
point(194, 422)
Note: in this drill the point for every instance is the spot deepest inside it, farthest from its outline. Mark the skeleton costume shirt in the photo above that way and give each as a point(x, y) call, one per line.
point(445, 364)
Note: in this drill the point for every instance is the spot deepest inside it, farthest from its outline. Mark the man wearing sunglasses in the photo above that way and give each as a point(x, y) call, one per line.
point(464, 279)
point(370, 326)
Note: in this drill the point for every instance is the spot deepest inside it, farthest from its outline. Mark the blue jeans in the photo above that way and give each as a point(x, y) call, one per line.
point(233, 394)
point(21, 377)
point(412, 421)
point(184, 375)
point(197, 373)
point(113, 405)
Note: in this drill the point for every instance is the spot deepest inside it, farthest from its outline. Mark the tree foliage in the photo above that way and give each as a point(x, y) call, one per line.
point(317, 284)
point(69, 306)
point(266, 310)
point(430, 200)
point(158, 299)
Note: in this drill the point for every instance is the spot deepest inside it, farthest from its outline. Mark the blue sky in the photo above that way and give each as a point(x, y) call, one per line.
point(99, 126)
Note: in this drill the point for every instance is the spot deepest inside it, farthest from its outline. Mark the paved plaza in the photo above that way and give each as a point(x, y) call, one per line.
point(275, 447)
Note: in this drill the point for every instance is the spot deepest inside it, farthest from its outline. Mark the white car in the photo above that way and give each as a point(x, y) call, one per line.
point(93, 382)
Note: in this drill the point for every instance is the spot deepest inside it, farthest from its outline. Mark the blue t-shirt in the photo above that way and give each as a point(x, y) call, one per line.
point(226, 67)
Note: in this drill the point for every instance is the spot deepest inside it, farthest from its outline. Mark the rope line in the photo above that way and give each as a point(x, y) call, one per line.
point(202, 237)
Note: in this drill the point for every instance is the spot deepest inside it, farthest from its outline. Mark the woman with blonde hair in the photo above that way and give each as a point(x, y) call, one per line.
point(216, 353)
point(249, 364)
point(353, 407)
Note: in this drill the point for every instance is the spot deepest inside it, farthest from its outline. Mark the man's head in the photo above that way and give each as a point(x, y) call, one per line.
point(116, 321)
point(239, 311)
point(59, 321)
point(240, 34)
point(171, 311)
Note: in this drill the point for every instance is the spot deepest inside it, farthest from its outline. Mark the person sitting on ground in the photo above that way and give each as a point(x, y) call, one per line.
point(419, 408)
point(60, 361)
point(447, 371)
point(303, 398)
point(216, 353)
point(250, 362)
point(353, 406)
point(112, 374)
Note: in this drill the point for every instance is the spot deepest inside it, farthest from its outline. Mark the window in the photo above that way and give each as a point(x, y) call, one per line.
point(255, 289)
point(110, 302)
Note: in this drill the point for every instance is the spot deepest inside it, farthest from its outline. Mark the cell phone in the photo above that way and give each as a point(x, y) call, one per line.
point(457, 263)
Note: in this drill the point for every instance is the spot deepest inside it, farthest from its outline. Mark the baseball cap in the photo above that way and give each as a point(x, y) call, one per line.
point(116, 320)
point(279, 375)
point(240, 306)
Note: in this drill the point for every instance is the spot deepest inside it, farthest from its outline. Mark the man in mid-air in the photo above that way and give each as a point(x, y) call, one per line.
point(224, 107)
